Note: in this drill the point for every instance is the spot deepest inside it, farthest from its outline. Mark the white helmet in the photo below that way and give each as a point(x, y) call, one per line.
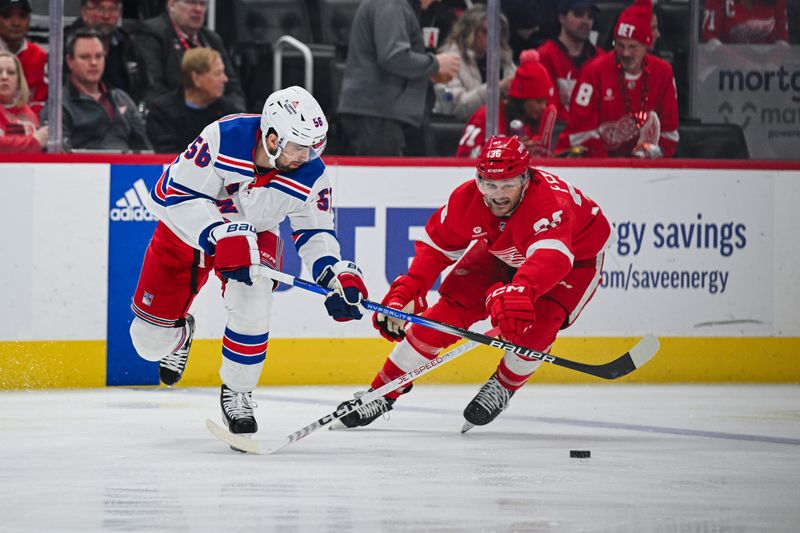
point(297, 118)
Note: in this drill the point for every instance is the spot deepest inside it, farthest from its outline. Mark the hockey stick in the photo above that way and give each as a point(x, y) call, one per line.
point(267, 448)
point(634, 358)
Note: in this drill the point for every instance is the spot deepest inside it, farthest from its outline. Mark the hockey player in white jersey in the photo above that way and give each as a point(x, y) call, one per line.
point(218, 206)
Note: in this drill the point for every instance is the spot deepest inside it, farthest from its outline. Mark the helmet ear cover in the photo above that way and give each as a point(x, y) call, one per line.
point(502, 158)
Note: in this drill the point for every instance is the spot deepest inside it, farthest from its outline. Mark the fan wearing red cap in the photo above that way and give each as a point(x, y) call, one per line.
point(625, 103)
point(526, 250)
point(529, 112)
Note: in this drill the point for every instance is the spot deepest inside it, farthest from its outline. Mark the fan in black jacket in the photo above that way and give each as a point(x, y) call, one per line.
point(176, 118)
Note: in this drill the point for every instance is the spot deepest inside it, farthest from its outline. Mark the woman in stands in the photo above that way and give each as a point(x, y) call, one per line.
point(529, 112)
point(745, 21)
point(469, 40)
point(19, 126)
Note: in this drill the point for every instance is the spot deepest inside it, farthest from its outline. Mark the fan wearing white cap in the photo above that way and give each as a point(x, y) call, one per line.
point(219, 206)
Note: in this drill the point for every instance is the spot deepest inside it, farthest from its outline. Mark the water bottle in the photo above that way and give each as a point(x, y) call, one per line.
point(444, 99)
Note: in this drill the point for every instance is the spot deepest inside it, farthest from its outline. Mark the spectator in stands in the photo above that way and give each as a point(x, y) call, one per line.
point(19, 125)
point(531, 22)
point(176, 118)
point(97, 117)
point(124, 63)
point(387, 77)
point(529, 112)
point(564, 56)
point(442, 15)
point(625, 103)
point(469, 40)
point(165, 38)
point(745, 21)
point(655, 31)
point(15, 20)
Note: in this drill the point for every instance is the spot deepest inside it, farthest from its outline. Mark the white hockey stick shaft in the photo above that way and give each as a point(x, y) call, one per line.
point(266, 448)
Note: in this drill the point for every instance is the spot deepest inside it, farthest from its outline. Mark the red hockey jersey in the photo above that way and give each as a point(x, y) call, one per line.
point(554, 226)
point(17, 126)
point(731, 21)
point(474, 135)
point(555, 58)
point(34, 64)
point(603, 118)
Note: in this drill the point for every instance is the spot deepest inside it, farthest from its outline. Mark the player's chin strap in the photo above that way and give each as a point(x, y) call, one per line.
point(272, 158)
point(634, 358)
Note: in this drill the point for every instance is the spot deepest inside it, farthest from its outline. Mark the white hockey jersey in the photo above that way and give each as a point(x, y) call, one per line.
point(214, 181)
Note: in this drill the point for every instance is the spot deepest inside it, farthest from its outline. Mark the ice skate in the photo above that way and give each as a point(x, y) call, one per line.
point(237, 411)
point(490, 401)
point(171, 367)
point(366, 414)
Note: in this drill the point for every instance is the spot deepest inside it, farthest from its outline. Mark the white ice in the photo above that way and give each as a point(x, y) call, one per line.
point(663, 459)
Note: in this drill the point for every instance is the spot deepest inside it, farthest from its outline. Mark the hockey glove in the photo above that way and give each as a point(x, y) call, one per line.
point(511, 309)
point(348, 289)
point(236, 256)
point(406, 295)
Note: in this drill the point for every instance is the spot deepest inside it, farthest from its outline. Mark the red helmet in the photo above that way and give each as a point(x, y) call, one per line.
point(502, 158)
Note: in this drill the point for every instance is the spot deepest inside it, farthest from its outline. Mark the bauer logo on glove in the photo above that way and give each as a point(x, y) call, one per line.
point(236, 254)
point(347, 290)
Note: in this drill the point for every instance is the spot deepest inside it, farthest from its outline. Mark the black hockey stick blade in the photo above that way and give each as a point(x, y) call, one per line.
point(636, 357)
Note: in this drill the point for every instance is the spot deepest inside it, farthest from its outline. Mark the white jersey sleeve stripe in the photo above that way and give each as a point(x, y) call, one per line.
point(550, 244)
point(450, 254)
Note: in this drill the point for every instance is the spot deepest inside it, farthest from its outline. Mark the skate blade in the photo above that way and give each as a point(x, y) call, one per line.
point(336, 425)
point(466, 427)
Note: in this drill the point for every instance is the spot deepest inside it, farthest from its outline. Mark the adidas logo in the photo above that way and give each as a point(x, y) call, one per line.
point(131, 206)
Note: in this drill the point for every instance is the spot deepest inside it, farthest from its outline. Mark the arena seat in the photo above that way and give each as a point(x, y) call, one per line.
point(673, 23)
point(711, 141)
point(441, 135)
point(264, 21)
point(335, 19)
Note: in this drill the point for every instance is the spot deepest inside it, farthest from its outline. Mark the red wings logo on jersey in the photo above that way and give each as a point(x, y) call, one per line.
point(752, 31)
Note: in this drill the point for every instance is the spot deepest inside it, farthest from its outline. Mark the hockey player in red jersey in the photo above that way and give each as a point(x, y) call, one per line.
point(624, 103)
point(529, 112)
point(528, 249)
point(219, 205)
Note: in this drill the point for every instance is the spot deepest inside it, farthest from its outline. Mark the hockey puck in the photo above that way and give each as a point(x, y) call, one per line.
point(580, 454)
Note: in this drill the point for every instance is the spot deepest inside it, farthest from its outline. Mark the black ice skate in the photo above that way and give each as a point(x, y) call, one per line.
point(170, 369)
point(490, 401)
point(237, 411)
point(367, 413)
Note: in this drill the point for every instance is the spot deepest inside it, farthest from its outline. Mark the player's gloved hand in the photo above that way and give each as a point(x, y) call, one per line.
point(406, 295)
point(348, 289)
point(236, 256)
point(511, 309)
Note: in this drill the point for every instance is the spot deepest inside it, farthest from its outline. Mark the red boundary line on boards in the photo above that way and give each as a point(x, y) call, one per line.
point(163, 159)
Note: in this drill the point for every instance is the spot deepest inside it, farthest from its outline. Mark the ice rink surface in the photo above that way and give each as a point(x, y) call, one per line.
point(663, 459)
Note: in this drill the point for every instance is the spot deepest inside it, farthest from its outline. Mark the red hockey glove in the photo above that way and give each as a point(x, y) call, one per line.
point(406, 295)
point(511, 309)
point(348, 287)
point(236, 256)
